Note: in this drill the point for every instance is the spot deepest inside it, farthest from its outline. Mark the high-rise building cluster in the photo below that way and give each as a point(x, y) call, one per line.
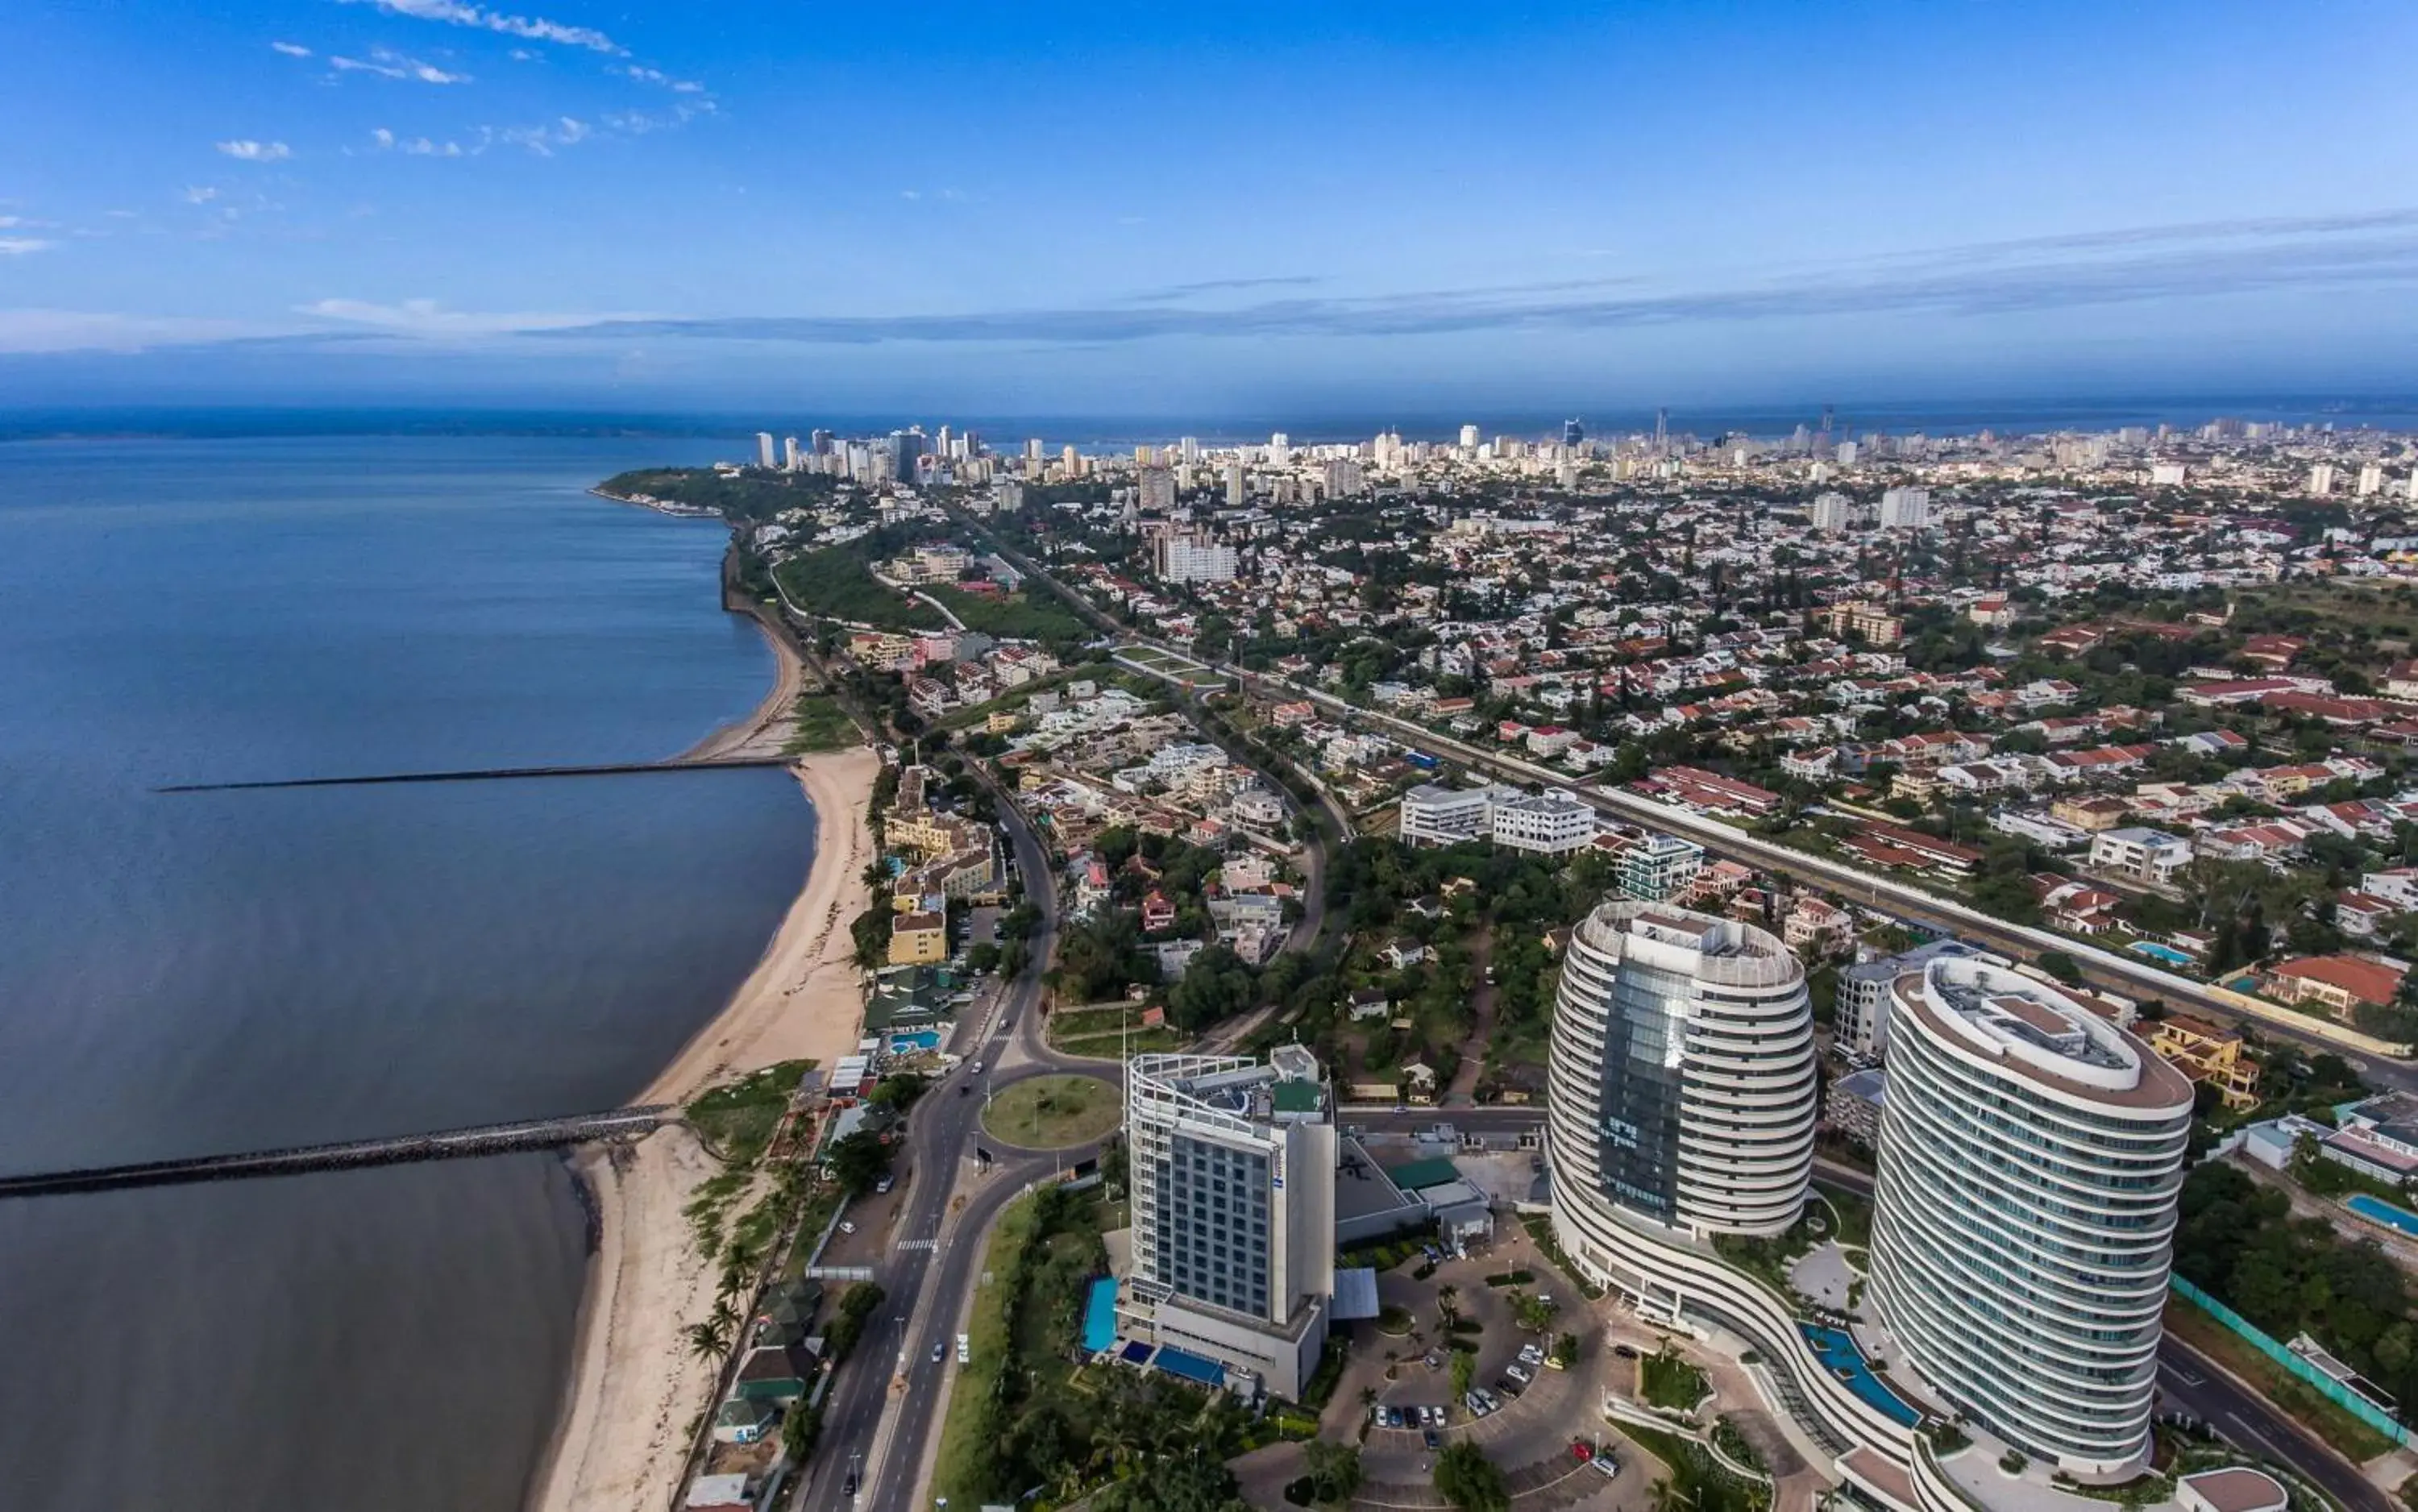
point(2031, 1158)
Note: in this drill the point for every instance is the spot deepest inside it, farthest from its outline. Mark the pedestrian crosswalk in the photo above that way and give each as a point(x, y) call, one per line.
point(919, 1244)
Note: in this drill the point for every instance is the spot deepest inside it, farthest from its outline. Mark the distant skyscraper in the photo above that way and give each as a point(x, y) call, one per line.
point(1904, 509)
point(1469, 438)
point(1846, 453)
point(1344, 478)
point(1158, 491)
point(789, 458)
point(1189, 448)
point(1237, 495)
point(1280, 450)
point(2031, 1158)
point(2371, 480)
point(2321, 478)
point(1071, 460)
point(1574, 434)
point(906, 446)
point(1033, 451)
point(764, 449)
point(1830, 512)
point(1142, 454)
point(1662, 431)
point(821, 441)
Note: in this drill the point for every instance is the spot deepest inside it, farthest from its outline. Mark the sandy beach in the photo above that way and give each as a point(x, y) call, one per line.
point(766, 730)
point(636, 1388)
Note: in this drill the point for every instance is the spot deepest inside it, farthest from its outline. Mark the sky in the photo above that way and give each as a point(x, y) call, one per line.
point(1246, 208)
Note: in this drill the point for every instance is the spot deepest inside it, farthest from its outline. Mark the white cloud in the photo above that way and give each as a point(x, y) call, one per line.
point(390, 65)
point(292, 49)
point(20, 246)
point(529, 28)
point(249, 151)
point(383, 137)
point(200, 194)
point(77, 330)
point(426, 317)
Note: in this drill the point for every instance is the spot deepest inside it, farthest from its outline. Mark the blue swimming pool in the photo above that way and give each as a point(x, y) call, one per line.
point(2165, 954)
point(923, 1039)
point(1190, 1366)
point(1836, 1349)
point(2376, 1210)
point(1100, 1315)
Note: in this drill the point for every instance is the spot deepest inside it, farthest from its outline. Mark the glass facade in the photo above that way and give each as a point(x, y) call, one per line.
point(1637, 1152)
point(1213, 1242)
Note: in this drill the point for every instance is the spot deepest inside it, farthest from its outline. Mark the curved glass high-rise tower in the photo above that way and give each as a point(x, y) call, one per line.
point(2032, 1156)
point(1682, 1087)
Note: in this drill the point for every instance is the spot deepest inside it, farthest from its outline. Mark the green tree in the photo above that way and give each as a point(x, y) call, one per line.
point(1464, 1372)
point(1469, 1480)
point(859, 1161)
point(1334, 1472)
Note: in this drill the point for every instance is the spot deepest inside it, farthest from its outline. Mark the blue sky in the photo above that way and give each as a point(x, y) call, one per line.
point(1246, 208)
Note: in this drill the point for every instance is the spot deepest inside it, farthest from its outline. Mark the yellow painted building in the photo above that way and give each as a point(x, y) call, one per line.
point(2206, 1052)
point(919, 939)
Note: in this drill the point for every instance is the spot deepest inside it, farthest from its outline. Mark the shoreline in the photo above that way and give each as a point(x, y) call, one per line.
point(635, 1387)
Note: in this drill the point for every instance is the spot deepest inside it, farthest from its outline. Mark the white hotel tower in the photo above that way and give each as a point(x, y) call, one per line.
point(1682, 1089)
point(2031, 1155)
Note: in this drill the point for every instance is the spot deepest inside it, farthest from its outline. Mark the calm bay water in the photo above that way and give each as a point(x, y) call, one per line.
point(190, 973)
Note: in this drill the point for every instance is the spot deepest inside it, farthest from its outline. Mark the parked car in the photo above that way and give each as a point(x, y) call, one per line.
point(1494, 1403)
point(1432, 1439)
point(881, 1187)
point(1518, 1373)
point(1605, 1462)
point(1476, 1404)
point(1434, 1416)
point(1582, 1451)
point(1627, 1351)
point(1507, 1386)
point(1531, 1356)
point(1434, 1359)
point(845, 1227)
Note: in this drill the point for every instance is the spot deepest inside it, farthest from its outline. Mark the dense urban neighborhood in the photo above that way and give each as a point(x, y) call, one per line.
point(1834, 968)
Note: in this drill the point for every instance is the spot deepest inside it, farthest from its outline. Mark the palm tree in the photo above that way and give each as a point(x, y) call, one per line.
point(706, 1341)
point(1665, 1495)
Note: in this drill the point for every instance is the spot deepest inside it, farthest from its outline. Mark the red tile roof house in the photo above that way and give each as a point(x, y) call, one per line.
point(2338, 982)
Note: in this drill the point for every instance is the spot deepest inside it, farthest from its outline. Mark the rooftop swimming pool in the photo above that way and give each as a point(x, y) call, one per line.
point(2164, 955)
point(1836, 1349)
point(2376, 1210)
point(1100, 1315)
point(1190, 1366)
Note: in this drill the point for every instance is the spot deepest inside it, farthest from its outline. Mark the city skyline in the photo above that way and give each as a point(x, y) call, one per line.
point(1238, 214)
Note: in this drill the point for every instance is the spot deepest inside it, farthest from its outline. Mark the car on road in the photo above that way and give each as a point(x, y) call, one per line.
point(978, 1068)
point(881, 1187)
point(845, 1227)
point(965, 1088)
point(848, 1487)
point(1627, 1351)
point(940, 1352)
point(1434, 1360)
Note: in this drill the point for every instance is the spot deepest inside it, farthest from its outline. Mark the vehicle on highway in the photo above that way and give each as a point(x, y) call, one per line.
point(964, 1088)
point(940, 1352)
point(848, 1487)
point(845, 1227)
point(881, 1187)
point(978, 1068)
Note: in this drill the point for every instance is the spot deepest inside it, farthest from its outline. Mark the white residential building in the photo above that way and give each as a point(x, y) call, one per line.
point(1184, 558)
point(1905, 509)
point(1660, 865)
point(2032, 1156)
point(1551, 823)
point(2136, 851)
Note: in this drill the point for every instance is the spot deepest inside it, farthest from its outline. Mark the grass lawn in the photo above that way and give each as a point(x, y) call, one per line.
point(823, 725)
point(1054, 1112)
point(1666, 1381)
point(965, 1434)
point(738, 1119)
point(2353, 1438)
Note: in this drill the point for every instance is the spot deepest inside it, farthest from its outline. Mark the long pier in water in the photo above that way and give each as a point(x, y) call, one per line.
point(611, 769)
point(452, 1144)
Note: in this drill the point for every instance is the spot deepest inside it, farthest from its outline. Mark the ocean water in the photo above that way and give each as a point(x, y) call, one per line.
point(186, 973)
